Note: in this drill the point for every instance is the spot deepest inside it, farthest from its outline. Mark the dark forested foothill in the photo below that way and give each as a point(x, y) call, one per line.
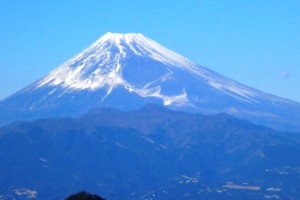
point(148, 153)
point(84, 196)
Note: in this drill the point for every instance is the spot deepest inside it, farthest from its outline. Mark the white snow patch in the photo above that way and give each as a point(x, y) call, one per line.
point(43, 160)
point(162, 146)
point(241, 187)
point(181, 99)
point(27, 193)
point(149, 140)
point(272, 189)
point(120, 145)
point(190, 179)
point(52, 91)
point(272, 197)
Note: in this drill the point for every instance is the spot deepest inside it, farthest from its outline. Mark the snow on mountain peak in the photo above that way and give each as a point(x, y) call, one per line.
point(100, 64)
point(142, 46)
point(108, 61)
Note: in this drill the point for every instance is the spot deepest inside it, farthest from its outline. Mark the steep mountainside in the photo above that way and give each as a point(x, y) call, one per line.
point(151, 153)
point(127, 71)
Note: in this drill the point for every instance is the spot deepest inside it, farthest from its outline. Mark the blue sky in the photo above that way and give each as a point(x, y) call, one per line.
point(255, 42)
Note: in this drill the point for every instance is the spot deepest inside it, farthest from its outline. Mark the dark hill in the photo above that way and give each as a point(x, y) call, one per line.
point(84, 196)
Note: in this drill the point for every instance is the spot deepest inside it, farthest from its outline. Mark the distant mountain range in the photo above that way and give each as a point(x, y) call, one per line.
point(128, 71)
point(150, 153)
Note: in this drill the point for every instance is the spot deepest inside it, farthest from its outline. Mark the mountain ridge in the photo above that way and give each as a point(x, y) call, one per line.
point(152, 153)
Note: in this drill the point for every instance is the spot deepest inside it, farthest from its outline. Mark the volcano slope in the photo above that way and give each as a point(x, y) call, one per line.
point(128, 71)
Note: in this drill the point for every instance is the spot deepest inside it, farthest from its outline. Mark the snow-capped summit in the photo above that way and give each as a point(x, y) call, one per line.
point(127, 71)
point(105, 64)
point(101, 64)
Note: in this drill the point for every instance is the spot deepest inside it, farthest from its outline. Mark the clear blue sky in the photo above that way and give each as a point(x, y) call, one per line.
point(255, 42)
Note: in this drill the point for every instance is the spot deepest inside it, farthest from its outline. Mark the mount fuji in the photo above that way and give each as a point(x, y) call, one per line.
point(128, 71)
